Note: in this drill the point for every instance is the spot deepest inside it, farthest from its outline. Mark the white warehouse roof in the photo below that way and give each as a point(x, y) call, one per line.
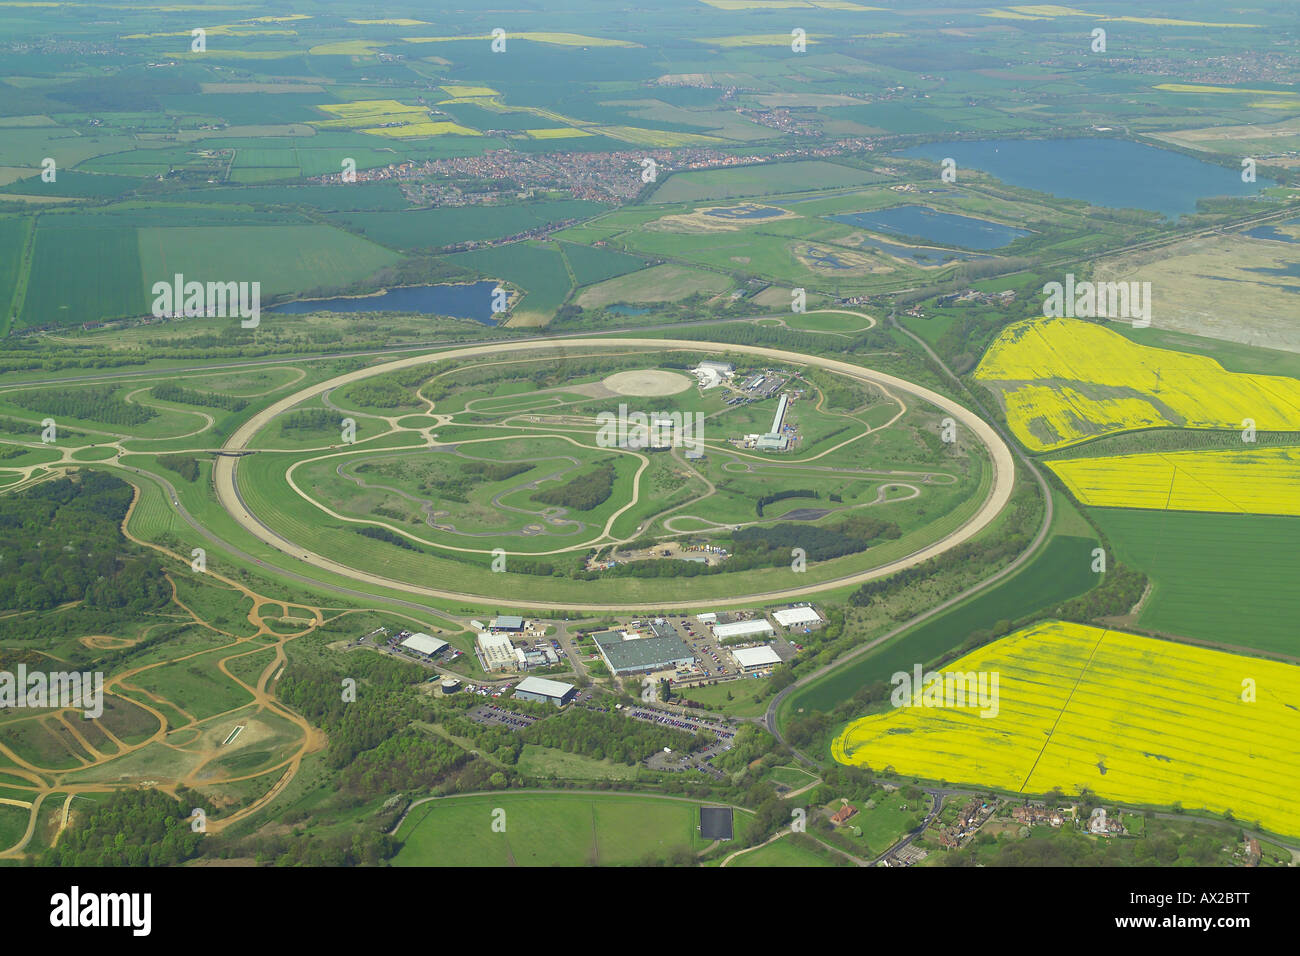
point(742, 628)
point(496, 648)
point(424, 643)
point(755, 656)
point(547, 688)
point(791, 616)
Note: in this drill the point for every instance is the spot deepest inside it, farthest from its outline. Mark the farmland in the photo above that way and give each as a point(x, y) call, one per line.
point(1055, 397)
point(1221, 578)
point(1261, 482)
point(1133, 719)
point(847, 212)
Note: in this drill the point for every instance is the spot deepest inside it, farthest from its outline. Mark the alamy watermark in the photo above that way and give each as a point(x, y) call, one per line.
point(973, 689)
point(1093, 300)
point(220, 299)
point(57, 689)
point(636, 430)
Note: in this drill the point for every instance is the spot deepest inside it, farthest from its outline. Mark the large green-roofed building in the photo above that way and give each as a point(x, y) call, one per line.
point(628, 656)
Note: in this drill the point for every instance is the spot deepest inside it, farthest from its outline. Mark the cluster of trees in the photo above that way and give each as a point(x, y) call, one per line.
point(405, 761)
point(1120, 589)
point(821, 543)
point(60, 542)
point(583, 492)
point(457, 485)
point(750, 743)
point(988, 553)
point(378, 712)
point(393, 390)
point(132, 828)
point(776, 496)
point(171, 392)
point(383, 534)
point(184, 465)
point(95, 403)
point(313, 419)
point(603, 735)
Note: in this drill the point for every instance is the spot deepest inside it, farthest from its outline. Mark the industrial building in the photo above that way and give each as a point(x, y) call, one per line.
point(508, 622)
point(425, 645)
point(774, 440)
point(753, 658)
point(755, 628)
point(495, 651)
point(722, 368)
point(540, 657)
point(797, 617)
point(629, 654)
point(546, 691)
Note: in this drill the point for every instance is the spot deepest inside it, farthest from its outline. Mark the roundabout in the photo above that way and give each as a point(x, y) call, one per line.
point(501, 463)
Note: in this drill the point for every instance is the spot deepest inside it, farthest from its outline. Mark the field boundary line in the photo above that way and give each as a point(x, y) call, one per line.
point(1064, 707)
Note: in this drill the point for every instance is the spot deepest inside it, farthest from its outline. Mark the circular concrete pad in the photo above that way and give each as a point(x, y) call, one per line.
point(647, 382)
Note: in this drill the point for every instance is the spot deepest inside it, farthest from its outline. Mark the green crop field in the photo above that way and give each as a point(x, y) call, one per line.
point(1222, 578)
point(434, 228)
point(305, 257)
point(81, 274)
point(759, 181)
point(1061, 571)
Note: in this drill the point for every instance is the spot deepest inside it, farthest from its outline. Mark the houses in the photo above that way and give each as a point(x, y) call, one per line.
point(1033, 816)
point(844, 814)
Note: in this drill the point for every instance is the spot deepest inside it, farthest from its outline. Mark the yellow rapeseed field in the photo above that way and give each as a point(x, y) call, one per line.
point(1247, 481)
point(1134, 719)
point(1067, 380)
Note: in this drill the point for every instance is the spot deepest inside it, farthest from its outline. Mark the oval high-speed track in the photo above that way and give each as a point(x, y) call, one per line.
point(225, 470)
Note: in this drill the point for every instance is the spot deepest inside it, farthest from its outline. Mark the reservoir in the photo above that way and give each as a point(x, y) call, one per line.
point(1105, 172)
point(469, 301)
point(921, 222)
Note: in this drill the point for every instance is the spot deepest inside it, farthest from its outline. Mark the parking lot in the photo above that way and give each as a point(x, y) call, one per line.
point(490, 715)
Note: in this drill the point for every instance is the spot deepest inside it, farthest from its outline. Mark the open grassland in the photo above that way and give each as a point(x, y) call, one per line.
point(1222, 578)
point(785, 852)
point(548, 830)
point(1066, 380)
point(1133, 719)
point(1265, 482)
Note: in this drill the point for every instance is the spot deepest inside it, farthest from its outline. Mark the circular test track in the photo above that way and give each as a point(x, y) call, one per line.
point(225, 470)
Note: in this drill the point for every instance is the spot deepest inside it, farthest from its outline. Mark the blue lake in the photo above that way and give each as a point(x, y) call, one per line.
point(625, 310)
point(920, 254)
point(1271, 232)
point(924, 223)
point(1105, 172)
point(470, 301)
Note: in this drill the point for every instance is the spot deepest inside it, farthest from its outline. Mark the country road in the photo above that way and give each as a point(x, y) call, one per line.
point(229, 497)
